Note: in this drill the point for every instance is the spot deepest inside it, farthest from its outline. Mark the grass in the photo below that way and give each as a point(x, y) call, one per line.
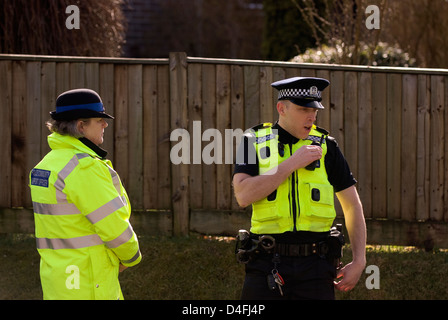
point(204, 268)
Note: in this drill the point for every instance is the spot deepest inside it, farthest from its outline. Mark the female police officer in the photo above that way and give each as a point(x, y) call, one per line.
point(289, 173)
point(81, 209)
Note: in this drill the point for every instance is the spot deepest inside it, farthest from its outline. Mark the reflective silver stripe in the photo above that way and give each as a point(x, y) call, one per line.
point(133, 258)
point(55, 208)
point(64, 173)
point(105, 210)
point(115, 179)
point(122, 238)
point(82, 155)
point(71, 243)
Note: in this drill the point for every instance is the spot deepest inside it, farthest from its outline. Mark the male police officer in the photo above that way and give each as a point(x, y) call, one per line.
point(289, 172)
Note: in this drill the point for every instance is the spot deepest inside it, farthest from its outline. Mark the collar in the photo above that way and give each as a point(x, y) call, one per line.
point(284, 136)
point(99, 151)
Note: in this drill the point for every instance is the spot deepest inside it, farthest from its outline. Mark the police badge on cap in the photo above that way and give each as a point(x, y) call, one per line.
point(303, 91)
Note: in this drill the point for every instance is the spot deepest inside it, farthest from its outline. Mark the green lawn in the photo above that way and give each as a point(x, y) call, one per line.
point(202, 268)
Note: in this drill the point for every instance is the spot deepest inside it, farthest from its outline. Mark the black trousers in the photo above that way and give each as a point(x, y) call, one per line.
point(308, 277)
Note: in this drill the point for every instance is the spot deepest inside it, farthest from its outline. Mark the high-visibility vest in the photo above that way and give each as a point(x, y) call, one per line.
point(81, 214)
point(305, 200)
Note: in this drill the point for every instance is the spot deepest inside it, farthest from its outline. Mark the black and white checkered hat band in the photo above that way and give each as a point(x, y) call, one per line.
point(299, 93)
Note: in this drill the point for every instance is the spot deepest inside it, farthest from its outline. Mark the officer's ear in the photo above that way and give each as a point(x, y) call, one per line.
point(80, 125)
point(281, 107)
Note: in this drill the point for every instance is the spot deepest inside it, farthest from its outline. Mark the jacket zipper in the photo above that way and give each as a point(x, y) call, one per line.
point(293, 193)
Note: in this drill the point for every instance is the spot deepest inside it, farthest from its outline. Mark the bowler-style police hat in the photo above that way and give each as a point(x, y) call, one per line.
point(77, 104)
point(303, 91)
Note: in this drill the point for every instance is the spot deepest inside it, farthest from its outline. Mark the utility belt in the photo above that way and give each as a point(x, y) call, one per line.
point(250, 247)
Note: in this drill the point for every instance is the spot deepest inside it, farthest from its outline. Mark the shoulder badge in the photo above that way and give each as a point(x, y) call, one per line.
point(40, 177)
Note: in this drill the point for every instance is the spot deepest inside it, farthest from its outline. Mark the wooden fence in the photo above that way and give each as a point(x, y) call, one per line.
point(389, 122)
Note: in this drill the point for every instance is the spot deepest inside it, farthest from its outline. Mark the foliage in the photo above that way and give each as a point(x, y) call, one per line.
point(382, 55)
point(417, 27)
point(285, 32)
point(38, 27)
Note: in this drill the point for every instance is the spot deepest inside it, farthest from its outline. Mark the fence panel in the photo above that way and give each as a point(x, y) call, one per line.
point(389, 122)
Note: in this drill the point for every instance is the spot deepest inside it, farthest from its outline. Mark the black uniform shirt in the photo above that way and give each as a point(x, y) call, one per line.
point(338, 171)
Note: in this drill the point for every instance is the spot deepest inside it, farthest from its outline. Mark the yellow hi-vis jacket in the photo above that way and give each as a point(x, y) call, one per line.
point(81, 213)
point(304, 201)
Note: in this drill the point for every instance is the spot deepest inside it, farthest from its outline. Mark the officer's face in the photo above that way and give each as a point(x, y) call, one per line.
point(295, 119)
point(93, 129)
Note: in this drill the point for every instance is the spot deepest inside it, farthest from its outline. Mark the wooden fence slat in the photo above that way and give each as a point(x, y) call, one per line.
point(393, 143)
point(163, 138)
point(337, 107)
point(121, 122)
point(267, 109)
point(106, 91)
point(150, 143)
point(209, 121)
point(237, 111)
point(195, 114)
point(365, 141)
point(33, 122)
point(135, 148)
point(444, 154)
point(251, 96)
point(351, 120)
point(437, 148)
point(62, 77)
point(18, 142)
point(379, 146)
point(323, 116)
point(6, 98)
point(47, 102)
point(409, 148)
point(278, 74)
point(92, 76)
point(223, 171)
point(77, 75)
point(179, 119)
point(423, 146)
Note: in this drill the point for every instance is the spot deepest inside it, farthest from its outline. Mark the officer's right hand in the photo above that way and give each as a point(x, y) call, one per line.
point(305, 155)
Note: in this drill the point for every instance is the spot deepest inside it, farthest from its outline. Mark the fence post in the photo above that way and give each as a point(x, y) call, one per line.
point(179, 119)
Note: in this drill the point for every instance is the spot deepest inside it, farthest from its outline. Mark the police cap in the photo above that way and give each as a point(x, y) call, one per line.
point(303, 91)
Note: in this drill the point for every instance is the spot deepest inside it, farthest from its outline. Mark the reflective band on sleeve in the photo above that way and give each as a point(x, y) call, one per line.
point(71, 243)
point(115, 179)
point(62, 175)
point(105, 210)
point(59, 184)
point(122, 238)
point(133, 258)
point(82, 155)
point(55, 208)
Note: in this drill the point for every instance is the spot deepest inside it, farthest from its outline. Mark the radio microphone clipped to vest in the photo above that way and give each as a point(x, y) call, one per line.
point(314, 164)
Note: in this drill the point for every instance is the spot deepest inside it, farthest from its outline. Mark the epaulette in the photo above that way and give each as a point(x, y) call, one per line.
point(261, 126)
point(322, 130)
